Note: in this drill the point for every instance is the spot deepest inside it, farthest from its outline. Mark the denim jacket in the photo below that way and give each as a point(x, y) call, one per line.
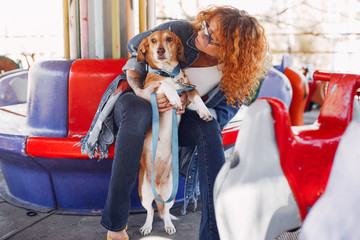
point(216, 103)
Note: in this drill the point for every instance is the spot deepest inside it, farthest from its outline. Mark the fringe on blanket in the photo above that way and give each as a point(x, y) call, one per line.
point(92, 143)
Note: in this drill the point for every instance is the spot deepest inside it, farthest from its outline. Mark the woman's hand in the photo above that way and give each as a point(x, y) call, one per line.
point(163, 103)
point(184, 101)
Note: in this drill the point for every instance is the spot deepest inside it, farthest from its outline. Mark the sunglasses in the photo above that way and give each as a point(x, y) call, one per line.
point(207, 35)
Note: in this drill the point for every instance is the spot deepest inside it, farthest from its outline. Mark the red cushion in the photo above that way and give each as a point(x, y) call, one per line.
point(88, 80)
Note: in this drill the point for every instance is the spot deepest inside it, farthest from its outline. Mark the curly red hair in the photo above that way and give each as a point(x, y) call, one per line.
point(244, 51)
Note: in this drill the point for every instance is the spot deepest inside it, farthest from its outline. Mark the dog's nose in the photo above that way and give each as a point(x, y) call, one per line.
point(160, 51)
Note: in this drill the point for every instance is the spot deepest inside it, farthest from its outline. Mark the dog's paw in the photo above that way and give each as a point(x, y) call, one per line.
point(170, 229)
point(146, 229)
point(204, 113)
point(175, 100)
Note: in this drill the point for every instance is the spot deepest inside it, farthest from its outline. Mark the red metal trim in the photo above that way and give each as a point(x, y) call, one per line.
point(230, 135)
point(321, 76)
point(48, 147)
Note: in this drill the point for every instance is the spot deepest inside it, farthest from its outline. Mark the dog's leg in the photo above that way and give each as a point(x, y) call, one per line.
point(167, 217)
point(201, 108)
point(147, 198)
point(170, 93)
point(164, 208)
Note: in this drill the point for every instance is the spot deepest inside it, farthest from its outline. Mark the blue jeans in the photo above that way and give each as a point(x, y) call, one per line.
point(208, 138)
point(132, 116)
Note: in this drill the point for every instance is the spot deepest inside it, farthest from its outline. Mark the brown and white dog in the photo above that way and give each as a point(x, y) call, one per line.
point(163, 50)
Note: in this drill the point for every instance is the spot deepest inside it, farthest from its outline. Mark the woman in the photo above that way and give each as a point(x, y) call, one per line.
point(226, 53)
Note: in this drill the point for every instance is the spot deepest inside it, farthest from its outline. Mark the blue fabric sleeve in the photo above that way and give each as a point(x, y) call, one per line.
point(224, 112)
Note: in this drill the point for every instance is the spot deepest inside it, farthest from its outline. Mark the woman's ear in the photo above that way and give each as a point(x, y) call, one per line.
point(143, 48)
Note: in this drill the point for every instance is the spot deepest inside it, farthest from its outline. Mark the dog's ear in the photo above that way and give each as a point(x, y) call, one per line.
point(142, 49)
point(180, 55)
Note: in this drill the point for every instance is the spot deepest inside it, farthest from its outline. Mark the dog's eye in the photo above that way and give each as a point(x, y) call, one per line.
point(153, 40)
point(169, 39)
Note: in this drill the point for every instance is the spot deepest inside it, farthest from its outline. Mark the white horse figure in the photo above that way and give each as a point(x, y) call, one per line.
point(252, 197)
point(336, 215)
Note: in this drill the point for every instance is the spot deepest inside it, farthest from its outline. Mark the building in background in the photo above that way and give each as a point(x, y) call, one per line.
point(323, 33)
point(31, 27)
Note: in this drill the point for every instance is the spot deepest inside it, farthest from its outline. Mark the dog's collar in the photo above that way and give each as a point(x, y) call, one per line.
point(165, 73)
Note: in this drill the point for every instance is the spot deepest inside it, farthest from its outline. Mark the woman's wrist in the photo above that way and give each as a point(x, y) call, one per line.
point(134, 79)
point(138, 91)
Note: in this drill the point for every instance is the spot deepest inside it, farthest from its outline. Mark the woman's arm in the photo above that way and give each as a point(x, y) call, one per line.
point(136, 82)
point(224, 113)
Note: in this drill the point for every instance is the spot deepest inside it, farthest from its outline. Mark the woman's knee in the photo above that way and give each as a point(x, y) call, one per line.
point(210, 130)
point(200, 130)
point(133, 110)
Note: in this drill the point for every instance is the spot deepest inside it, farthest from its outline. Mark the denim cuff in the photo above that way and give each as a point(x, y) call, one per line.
point(133, 64)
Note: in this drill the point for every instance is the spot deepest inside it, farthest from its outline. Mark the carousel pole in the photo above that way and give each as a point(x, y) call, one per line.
point(78, 40)
point(73, 31)
point(151, 14)
point(142, 16)
point(123, 29)
point(99, 29)
point(115, 28)
point(66, 29)
point(84, 32)
point(130, 20)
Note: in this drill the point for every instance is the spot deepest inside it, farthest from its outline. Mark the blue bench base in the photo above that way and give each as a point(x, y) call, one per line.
point(66, 185)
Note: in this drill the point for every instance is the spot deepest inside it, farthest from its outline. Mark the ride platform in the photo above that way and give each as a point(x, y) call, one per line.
point(55, 192)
